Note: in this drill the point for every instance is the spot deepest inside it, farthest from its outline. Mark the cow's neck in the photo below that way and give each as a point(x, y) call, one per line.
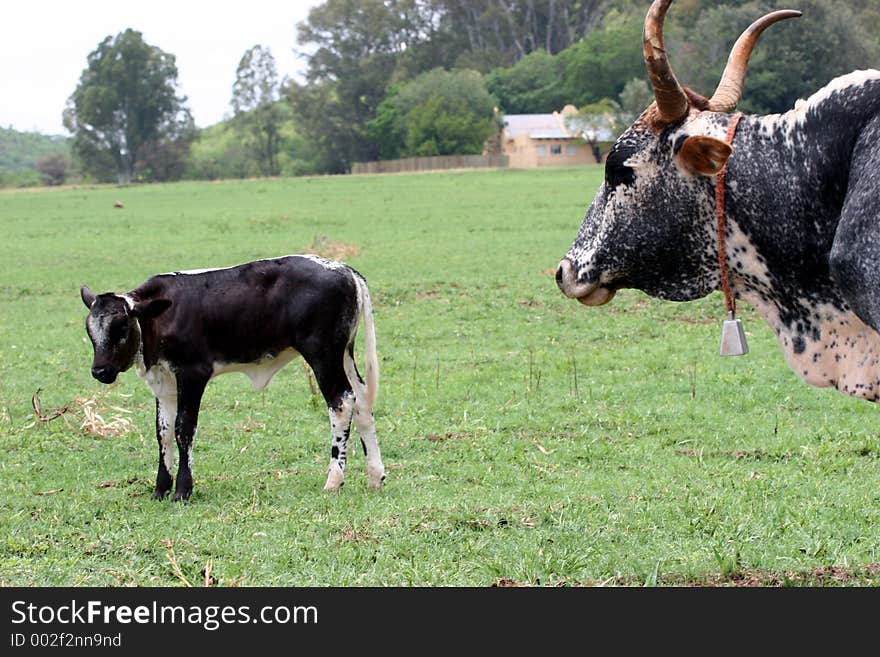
point(786, 184)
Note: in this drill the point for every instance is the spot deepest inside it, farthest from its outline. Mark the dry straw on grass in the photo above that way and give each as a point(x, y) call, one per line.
point(91, 415)
point(327, 248)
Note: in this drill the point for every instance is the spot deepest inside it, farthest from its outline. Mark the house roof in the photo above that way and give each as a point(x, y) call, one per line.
point(551, 134)
point(548, 126)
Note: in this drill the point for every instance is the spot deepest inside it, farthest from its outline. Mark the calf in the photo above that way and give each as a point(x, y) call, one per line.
point(182, 329)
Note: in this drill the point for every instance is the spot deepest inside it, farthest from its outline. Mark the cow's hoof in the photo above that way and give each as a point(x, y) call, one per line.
point(335, 479)
point(181, 496)
point(375, 478)
point(161, 494)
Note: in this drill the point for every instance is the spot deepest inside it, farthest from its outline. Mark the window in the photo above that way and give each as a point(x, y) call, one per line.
point(541, 150)
point(571, 150)
point(556, 149)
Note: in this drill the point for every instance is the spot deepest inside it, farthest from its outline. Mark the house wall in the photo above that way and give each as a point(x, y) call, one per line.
point(526, 153)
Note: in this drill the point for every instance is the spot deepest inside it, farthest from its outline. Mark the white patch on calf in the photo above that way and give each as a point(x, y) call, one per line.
point(159, 378)
point(259, 372)
point(98, 329)
point(324, 262)
point(167, 417)
point(340, 425)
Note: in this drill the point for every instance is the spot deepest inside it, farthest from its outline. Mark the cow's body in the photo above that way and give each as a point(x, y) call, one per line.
point(182, 329)
point(802, 217)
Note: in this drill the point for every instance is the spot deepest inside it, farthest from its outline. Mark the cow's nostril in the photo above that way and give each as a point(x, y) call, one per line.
point(559, 276)
point(104, 374)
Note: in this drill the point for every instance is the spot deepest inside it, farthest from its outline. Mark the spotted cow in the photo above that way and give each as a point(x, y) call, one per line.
point(802, 227)
point(180, 330)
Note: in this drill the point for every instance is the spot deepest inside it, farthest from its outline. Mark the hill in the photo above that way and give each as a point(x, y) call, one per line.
point(20, 152)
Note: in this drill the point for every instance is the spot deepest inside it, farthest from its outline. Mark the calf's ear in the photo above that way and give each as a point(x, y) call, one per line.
point(704, 155)
point(150, 308)
point(87, 296)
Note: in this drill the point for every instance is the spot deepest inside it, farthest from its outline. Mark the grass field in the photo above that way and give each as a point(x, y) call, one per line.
point(527, 439)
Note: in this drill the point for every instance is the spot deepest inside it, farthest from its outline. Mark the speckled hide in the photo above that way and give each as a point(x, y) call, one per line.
point(802, 226)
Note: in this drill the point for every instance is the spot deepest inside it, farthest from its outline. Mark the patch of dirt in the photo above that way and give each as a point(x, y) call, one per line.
point(868, 575)
point(435, 438)
point(822, 576)
point(356, 536)
point(738, 454)
point(327, 248)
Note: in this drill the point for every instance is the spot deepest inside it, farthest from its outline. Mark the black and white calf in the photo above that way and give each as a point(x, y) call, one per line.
point(182, 329)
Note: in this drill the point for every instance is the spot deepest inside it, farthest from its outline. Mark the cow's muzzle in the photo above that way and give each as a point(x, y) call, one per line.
point(588, 293)
point(105, 373)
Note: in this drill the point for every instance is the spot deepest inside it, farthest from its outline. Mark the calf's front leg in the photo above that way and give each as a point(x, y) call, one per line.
point(166, 415)
point(189, 398)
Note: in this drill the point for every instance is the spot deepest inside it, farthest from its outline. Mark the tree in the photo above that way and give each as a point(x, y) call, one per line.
point(53, 167)
point(792, 60)
point(600, 65)
point(438, 113)
point(501, 32)
point(126, 98)
point(594, 119)
point(356, 45)
point(257, 110)
point(531, 86)
point(637, 94)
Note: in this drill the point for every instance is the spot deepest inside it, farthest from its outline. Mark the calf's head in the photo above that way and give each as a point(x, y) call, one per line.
point(112, 326)
point(650, 225)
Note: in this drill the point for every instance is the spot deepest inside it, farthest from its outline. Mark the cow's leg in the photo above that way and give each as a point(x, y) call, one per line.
point(166, 414)
point(364, 423)
point(856, 249)
point(340, 413)
point(340, 404)
point(189, 398)
point(366, 428)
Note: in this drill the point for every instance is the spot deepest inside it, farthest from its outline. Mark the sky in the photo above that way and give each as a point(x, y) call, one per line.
point(44, 46)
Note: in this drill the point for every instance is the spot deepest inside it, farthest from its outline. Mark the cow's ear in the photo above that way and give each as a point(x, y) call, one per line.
point(150, 308)
point(87, 295)
point(703, 155)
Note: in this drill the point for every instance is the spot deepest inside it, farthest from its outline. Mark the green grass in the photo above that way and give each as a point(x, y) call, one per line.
point(527, 439)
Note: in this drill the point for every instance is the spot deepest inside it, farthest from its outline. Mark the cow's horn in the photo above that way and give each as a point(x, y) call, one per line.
point(730, 88)
point(671, 99)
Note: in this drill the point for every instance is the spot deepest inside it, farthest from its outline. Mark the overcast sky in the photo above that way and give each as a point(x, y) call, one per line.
point(44, 45)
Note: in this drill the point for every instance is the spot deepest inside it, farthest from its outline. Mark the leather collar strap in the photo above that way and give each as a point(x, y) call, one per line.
point(729, 301)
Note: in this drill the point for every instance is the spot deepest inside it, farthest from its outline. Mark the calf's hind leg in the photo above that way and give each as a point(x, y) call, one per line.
point(366, 428)
point(340, 427)
point(340, 405)
point(364, 422)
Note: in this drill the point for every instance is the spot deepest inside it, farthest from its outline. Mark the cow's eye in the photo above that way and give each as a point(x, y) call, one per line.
point(617, 174)
point(118, 331)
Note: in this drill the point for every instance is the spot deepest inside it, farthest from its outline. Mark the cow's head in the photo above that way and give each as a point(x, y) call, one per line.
point(113, 328)
point(650, 225)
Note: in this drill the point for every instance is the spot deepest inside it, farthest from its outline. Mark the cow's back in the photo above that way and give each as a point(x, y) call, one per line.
point(242, 313)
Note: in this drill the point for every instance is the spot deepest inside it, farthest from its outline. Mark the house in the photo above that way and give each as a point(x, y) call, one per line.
point(544, 140)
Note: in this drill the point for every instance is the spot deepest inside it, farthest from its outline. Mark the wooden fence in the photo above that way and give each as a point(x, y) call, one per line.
point(431, 163)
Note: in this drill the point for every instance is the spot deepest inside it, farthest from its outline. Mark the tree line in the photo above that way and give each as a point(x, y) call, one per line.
point(397, 78)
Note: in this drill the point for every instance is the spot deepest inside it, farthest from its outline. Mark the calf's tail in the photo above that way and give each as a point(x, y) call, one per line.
point(371, 367)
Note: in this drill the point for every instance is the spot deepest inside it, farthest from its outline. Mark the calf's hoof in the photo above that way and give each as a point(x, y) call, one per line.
point(335, 479)
point(182, 495)
point(375, 478)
